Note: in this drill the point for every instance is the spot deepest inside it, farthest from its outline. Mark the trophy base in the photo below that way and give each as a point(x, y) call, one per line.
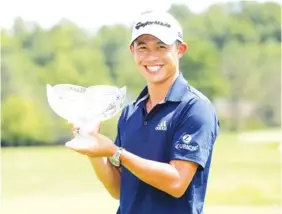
point(80, 142)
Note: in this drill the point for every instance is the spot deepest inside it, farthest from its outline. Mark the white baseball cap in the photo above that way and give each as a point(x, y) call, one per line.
point(159, 24)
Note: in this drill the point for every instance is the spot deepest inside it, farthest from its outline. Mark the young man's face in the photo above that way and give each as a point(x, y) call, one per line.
point(155, 60)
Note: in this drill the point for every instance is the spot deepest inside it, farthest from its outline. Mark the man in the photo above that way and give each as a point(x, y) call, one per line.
point(160, 161)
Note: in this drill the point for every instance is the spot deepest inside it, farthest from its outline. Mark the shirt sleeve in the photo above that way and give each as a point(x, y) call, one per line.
point(117, 140)
point(195, 134)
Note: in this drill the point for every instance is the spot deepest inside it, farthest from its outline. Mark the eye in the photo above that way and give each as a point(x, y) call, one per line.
point(141, 47)
point(162, 46)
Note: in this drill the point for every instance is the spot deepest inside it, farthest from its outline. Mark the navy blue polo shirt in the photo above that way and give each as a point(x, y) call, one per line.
point(182, 127)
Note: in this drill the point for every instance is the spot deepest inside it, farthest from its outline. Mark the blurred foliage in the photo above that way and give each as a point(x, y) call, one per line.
point(234, 55)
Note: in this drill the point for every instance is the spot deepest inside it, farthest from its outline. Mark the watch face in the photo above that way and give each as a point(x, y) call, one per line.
point(115, 162)
point(115, 158)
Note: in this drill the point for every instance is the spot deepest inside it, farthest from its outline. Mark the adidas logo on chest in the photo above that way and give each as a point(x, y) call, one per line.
point(161, 126)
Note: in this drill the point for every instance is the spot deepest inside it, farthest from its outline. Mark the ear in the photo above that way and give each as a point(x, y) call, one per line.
point(131, 48)
point(182, 49)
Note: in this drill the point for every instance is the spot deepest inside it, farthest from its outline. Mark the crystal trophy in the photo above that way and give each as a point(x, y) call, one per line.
point(85, 106)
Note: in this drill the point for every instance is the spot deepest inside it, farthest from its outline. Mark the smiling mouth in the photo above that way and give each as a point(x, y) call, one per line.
point(153, 69)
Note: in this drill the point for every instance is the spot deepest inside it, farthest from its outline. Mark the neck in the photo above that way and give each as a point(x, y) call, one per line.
point(158, 92)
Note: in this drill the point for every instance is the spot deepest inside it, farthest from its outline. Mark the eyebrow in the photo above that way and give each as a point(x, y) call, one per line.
point(161, 43)
point(144, 43)
point(140, 43)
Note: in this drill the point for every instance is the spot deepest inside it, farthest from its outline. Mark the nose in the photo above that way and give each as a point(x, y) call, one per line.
point(152, 57)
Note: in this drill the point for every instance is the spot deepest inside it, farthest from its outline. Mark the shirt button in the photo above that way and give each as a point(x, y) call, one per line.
point(145, 123)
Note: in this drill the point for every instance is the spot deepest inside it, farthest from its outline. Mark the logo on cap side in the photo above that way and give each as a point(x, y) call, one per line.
point(180, 35)
point(144, 24)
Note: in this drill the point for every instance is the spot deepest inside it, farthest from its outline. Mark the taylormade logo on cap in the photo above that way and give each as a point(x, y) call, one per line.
point(159, 24)
point(140, 24)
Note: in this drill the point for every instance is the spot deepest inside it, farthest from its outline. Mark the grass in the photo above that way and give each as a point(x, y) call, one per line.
point(243, 176)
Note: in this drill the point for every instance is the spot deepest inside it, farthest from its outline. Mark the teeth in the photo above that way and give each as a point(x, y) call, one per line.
point(154, 68)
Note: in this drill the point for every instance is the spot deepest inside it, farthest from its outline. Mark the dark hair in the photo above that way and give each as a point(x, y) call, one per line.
point(177, 43)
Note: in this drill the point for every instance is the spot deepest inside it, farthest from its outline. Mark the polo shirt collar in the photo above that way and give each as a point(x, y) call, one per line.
point(177, 90)
point(175, 93)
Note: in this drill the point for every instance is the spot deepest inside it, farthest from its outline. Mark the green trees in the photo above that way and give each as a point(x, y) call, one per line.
point(234, 54)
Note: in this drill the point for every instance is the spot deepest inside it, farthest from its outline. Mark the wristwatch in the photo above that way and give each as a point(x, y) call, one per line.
point(115, 159)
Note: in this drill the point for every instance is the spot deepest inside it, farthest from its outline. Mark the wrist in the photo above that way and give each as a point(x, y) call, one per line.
point(109, 147)
point(115, 159)
point(112, 150)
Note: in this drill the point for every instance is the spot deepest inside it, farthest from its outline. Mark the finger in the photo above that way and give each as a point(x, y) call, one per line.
point(79, 152)
point(75, 131)
point(74, 127)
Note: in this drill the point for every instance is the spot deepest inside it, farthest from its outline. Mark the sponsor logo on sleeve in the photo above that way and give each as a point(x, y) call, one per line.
point(186, 138)
point(185, 144)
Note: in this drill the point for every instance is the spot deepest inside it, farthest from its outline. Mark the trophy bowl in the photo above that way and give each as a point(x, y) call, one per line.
point(85, 106)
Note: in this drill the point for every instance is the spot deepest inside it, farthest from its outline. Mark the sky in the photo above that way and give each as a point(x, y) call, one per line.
point(89, 14)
